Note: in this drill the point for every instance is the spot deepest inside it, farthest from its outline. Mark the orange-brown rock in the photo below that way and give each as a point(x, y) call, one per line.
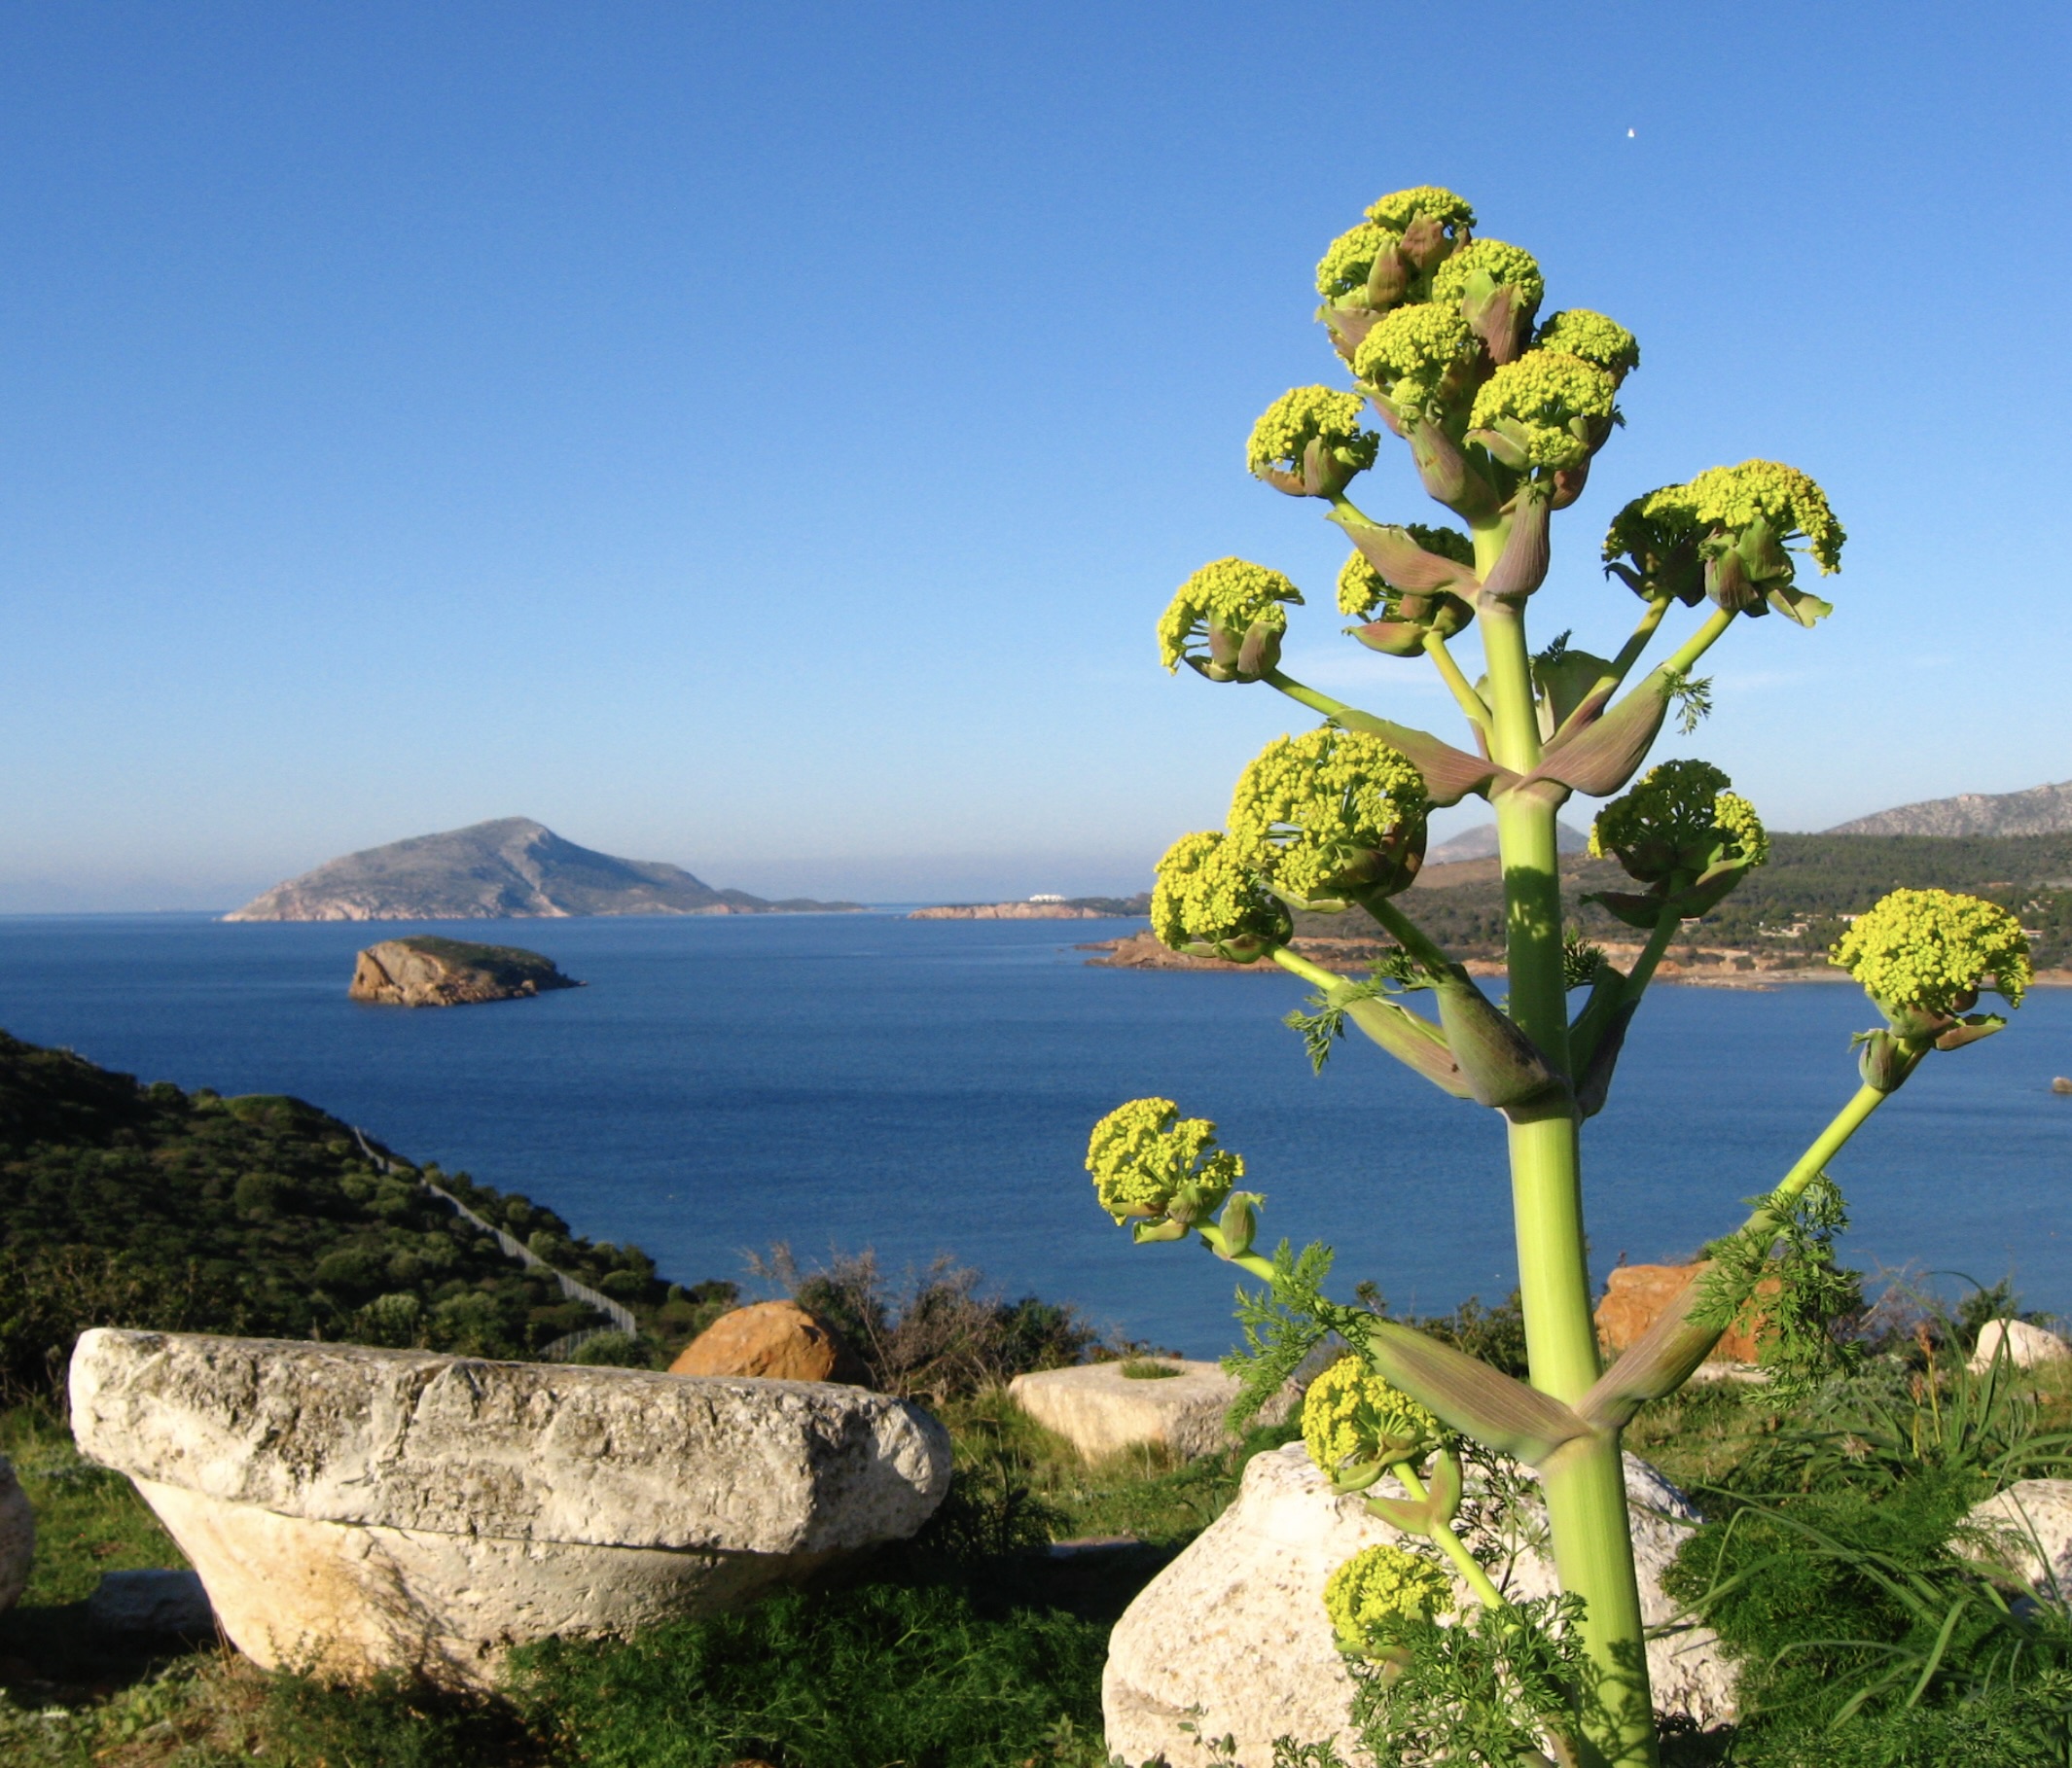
point(777, 1340)
point(1636, 1294)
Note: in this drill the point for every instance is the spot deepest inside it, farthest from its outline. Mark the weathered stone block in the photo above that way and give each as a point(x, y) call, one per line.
point(1232, 1638)
point(152, 1603)
point(1099, 1410)
point(772, 1341)
point(355, 1509)
point(2029, 1346)
point(17, 1537)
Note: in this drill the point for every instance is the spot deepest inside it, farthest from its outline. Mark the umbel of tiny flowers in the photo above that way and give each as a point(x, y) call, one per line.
point(1405, 617)
point(1388, 257)
point(1210, 902)
point(1238, 610)
point(1681, 831)
point(1164, 1174)
point(1923, 957)
point(1356, 1425)
point(1728, 535)
point(1379, 1594)
point(1496, 289)
point(1310, 442)
point(1329, 816)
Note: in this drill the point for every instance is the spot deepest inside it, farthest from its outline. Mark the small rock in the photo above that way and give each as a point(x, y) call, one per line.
point(2027, 1346)
point(427, 970)
point(353, 1510)
point(151, 1602)
point(772, 1341)
point(17, 1537)
point(2030, 1525)
point(1636, 1294)
point(1099, 1410)
point(1232, 1638)
point(2061, 1084)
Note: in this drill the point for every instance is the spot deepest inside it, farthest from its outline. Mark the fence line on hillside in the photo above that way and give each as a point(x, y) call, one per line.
point(616, 1312)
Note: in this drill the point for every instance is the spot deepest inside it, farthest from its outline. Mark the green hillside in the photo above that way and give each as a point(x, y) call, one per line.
point(147, 1206)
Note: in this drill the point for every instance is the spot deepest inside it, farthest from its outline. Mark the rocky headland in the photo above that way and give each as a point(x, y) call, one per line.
point(507, 869)
point(425, 971)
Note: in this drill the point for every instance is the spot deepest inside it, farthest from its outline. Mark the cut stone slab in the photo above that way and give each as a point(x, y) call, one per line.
point(773, 1341)
point(1232, 1638)
point(17, 1537)
point(2029, 1346)
point(353, 1510)
point(152, 1603)
point(1099, 1410)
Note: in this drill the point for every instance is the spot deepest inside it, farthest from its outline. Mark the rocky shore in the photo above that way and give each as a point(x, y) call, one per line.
point(430, 971)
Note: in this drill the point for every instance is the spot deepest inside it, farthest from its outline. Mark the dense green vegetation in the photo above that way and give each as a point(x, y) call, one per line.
point(147, 1206)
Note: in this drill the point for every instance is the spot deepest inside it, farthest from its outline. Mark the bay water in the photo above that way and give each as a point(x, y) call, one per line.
point(925, 1088)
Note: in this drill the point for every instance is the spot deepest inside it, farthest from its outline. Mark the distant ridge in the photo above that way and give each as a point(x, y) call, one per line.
point(1480, 843)
point(509, 868)
point(2040, 810)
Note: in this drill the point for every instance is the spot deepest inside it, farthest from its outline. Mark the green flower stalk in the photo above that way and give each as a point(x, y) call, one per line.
point(1503, 423)
point(1238, 610)
point(1309, 443)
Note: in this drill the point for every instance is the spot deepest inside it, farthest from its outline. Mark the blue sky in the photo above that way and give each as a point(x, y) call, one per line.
point(764, 437)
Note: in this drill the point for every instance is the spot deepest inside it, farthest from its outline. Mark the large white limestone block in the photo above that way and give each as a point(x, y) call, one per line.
point(1231, 1639)
point(352, 1509)
point(1100, 1410)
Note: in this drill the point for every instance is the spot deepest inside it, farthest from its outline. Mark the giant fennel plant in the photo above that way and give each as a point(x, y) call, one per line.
point(1503, 413)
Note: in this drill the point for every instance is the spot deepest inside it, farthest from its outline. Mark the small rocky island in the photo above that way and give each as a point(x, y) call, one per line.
point(425, 971)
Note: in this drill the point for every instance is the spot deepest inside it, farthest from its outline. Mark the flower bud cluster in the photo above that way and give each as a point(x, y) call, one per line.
point(1151, 1165)
point(1604, 343)
point(1380, 1594)
point(1684, 833)
point(1418, 358)
point(1237, 608)
point(1497, 289)
point(1355, 1420)
point(1209, 901)
point(1309, 443)
point(1396, 622)
point(1544, 409)
point(1727, 535)
point(1923, 955)
point(1331, 814)
point(1390, 256)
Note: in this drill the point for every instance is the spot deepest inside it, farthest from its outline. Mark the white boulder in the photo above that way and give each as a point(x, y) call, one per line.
point(17, 1537)
point(352, 1509)
point(1099, 1409)
point(2029, 1347)
point(1231, 1639)
point(2026, 1530)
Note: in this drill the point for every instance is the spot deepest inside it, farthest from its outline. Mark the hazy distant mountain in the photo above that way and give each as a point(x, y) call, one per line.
point(511, 867)
point(1480, 843)
point(2040, 810)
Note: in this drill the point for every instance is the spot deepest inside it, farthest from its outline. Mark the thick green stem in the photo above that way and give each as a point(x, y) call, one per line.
point(1296, 965)
point(1774, 1209)
point(1622, 665)
point(1699, 642)
point(1643, 970)
point(1451, 1545)
point(1308, 696)
point(1585, 1485)
point(1408, 935)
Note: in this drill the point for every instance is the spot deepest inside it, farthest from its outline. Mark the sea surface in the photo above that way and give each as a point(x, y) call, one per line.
point(925, 1088)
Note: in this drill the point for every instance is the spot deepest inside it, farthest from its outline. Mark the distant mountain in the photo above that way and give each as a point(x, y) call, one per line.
point(511, 867)
point(1480, 843)
point(2040, 810)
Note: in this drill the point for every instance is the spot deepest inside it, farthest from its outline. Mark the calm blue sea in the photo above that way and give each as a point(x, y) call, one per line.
point(925, 1087)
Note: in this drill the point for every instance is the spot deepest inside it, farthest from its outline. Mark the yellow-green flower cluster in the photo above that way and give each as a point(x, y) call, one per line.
point(1604, 343)
point(1307, 414)
point(1330, 811)
point(1144, 1154)
point(1349, 259)
point(1362, 589)
point(1728, 500)
point(1380, 1593)
point(1680, 818)
point(1931, 951)
point(1508, 267)
point(1352, 1417)
point(1231, 594)
point(1415, 352)
point(1549, 404)
point(1207, 894)
point(1399, 208)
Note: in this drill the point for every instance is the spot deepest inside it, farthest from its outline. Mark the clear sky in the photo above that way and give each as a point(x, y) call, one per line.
point(763, 437)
